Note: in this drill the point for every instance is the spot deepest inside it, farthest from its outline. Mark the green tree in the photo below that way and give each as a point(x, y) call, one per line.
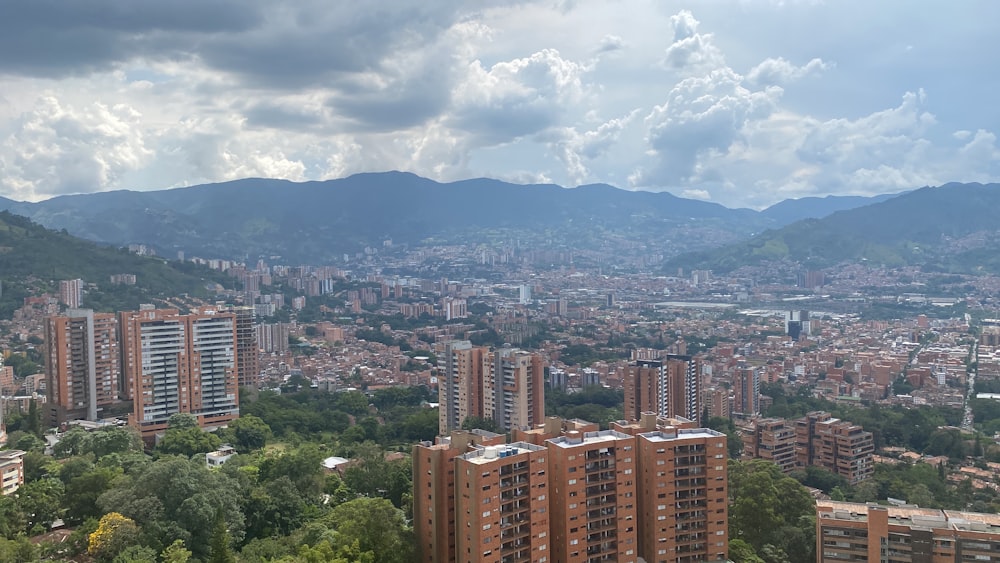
point(182, 420)
point(136, 554)
point(18, 550)
point(182, 504)
point(376, 525)
point(41, 503)
point(249, 433)
point(742, 552)
point(220, 550)
point(83, 491)
point(175, 553)
point(766, 506)
point(188, 441)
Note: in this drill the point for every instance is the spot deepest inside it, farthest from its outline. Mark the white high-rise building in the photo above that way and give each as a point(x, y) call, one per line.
point(525, 294)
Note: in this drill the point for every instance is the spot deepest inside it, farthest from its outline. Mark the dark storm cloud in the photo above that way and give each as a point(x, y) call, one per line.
point(275, 45)
point(52, 37)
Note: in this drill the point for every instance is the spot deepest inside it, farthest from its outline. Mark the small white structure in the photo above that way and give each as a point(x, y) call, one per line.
point(219, 456)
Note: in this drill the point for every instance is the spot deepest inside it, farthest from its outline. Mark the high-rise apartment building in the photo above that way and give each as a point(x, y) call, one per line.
point(71, 293)
point(746, 391)
point(434, 491)
point(504, 385)
point(593, 509)
point(844, 448)
point(273, 337)
point(503, 489)
point(683, 498)
point(81, 364)
point(247, 351)
point(862, 532)
point(564, 491)
point(460, 384)
point(772, 439)
point(181, 364)
point(514, 389)
point(670, 387)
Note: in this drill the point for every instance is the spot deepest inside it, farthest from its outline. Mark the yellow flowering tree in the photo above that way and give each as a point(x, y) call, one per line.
point(114, 533)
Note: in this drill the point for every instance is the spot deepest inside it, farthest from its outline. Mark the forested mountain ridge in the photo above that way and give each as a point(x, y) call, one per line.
point(31, 255)
point(951, 228)
point(317, 221)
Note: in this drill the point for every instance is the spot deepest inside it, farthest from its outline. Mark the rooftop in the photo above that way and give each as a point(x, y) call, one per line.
point(490, 454)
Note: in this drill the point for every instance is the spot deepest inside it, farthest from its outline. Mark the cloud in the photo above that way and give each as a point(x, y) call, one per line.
point(610, 44)
point(778, 71)
point(59, 149)
point(691, 51)
point(703, 116)
point(53, 38)
point(516, 98)
point(574, 148)
point(697, 194)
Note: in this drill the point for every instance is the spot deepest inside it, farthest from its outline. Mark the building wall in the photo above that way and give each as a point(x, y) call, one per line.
point(594, 506)
point(850, 531)
point(501, 495)
point(81, 364)
point(683, 497)
point(434, 491)
point(11, 471)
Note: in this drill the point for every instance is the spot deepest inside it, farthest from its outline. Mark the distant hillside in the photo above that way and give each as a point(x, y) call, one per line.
point(317, 222)
point(951, 228)
point(314, 222)
point(791, 210)
point(33, 255)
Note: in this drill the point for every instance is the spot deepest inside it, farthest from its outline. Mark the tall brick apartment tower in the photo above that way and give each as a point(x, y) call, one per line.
point(81, 364)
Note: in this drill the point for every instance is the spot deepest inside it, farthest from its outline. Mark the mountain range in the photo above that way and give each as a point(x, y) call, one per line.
point(950, 228)
point(316, 222)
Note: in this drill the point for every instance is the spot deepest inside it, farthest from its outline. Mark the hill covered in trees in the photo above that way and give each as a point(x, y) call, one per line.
point(33, 257)
point(951, 228)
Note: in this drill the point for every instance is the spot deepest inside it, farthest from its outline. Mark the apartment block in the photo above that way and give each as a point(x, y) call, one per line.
point(505, 385)
point(460, 384)
point(180, 364)
point(653, 489)
point(11, 471)
point(71, 293)
point(844, 448)
point(434, 491)
point(514, 391)
point(746, 387)
point(683, 497)
point(247, 351)
point(501, 495)
point(772, 439)
point(593, 509)
point(860, 532)
point(670, 387)
point(81, 364)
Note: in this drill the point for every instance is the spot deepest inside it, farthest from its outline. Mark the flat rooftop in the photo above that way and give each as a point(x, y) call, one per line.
point(490, 454)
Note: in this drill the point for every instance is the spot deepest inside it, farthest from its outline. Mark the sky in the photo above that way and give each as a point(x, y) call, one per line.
point(744, 103)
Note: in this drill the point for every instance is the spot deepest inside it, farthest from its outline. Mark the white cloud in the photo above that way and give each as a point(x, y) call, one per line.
point(61, 149)
point(691, 51)
point(640, 94)
point(703, 195)
point(574, 149)
point(778, 71)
